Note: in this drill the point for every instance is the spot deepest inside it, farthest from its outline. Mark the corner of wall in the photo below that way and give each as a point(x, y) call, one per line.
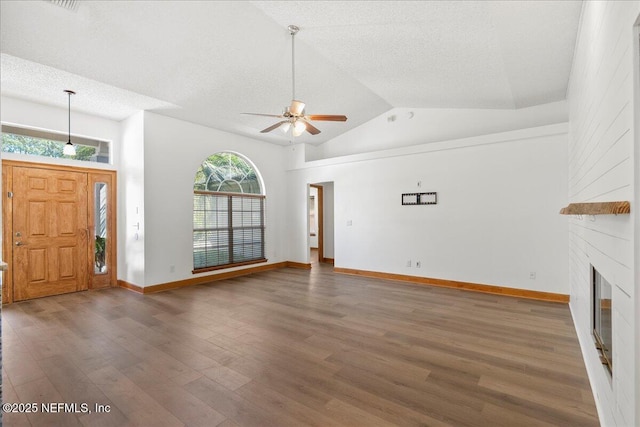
point(636, 203)
point(131, 249)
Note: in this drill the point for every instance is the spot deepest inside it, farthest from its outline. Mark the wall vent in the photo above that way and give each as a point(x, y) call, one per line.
point(67, 4)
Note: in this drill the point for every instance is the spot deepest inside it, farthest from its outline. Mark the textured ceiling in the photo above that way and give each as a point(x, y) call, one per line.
point(207, 62)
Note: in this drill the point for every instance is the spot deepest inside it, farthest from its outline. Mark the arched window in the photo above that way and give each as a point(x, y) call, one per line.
point(228, 214)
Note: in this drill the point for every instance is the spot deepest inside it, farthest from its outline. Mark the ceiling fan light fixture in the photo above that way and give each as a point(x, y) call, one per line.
point(298, 128)
point(69, 149)
point(294, 117)
point(285, 127)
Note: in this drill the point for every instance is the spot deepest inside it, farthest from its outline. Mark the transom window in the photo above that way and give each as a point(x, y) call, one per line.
point(36, 142)
point(228, 214)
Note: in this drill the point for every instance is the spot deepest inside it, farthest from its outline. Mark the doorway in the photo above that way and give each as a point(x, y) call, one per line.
point(320, 212)
point(58, 230)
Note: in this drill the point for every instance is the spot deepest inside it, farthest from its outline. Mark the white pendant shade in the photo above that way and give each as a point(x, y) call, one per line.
point(69, 149)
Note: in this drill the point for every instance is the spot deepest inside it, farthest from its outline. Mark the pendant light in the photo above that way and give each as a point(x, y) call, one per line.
point(69, 149)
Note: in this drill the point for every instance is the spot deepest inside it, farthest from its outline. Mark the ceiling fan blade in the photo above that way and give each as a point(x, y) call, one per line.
point(311, 128)
point(297, 108)
point(272, 127)
point(326, 117)
point(265, 115)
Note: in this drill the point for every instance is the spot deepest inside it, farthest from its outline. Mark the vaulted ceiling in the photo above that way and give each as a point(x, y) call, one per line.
point(208, 61)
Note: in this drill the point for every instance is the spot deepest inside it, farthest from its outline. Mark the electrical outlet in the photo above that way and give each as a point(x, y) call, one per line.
point(418, 264)
point(532, 275)
point(409, 263)
point(172, 269)
point(349, 223)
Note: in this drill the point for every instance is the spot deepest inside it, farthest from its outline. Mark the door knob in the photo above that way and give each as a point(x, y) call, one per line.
point(19, 244)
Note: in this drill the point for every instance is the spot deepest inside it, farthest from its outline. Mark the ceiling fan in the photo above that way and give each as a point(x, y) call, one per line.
point(294, 117)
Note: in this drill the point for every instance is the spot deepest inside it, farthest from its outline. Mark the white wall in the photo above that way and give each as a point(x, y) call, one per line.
point(601, 152)
point(495, 222)
point(636, 212)
point(173, 152)
point(401, 127)
point(131, 208)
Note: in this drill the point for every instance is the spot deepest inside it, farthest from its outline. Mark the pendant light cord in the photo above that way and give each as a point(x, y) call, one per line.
point(69, 149)
point(69, 127)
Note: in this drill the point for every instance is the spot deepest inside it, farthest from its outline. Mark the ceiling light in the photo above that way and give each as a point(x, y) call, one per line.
point(298, 128)
point(285, 127)
point(69, 149)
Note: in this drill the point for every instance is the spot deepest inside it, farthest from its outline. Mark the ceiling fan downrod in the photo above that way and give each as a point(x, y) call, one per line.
point(293, 30)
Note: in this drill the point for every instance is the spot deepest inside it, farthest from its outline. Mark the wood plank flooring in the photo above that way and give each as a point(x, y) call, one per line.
point(292, 348)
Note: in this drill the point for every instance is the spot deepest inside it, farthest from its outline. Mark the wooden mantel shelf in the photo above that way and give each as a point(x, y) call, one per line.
point(598, 208)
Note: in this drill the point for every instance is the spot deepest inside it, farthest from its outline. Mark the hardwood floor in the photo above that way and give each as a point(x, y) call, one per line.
point(296, 347)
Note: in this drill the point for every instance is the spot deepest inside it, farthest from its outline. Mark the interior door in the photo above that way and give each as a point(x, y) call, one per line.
point(49, 232)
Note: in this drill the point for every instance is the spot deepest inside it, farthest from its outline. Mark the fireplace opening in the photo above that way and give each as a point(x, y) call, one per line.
point(602, 318)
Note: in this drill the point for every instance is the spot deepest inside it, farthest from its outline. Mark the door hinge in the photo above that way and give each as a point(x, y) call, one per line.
point(10, 194)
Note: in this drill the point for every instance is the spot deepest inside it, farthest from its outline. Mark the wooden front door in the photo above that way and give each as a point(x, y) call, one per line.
point(50, 241)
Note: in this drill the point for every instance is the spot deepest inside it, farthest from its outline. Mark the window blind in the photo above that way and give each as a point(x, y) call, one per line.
point(228, 228)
